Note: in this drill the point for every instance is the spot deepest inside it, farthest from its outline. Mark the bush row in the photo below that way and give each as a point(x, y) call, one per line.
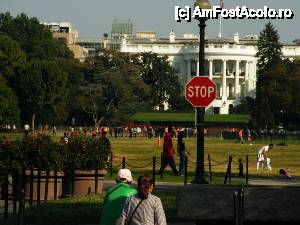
point(43, 153)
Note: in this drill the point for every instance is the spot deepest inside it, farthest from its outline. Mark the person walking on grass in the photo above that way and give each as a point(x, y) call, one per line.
point(116, 196)
point(241, 139)
point(168, 153)
point(105, 146)
point(143, 208)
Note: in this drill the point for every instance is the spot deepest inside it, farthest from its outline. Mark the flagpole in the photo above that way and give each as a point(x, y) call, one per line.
point(220, 28)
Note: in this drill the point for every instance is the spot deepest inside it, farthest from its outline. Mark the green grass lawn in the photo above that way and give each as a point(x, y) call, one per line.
point(139, 152)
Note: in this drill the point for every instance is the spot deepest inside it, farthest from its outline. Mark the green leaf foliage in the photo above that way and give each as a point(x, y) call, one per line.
point(161, 77)
point(112, 89)
point(9, 110)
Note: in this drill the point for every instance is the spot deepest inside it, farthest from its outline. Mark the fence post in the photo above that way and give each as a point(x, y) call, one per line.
point(241, 206)
point(209, 167)
point(123, 163)
point(21, 207)
point(31, 187)
point(111, 165)
point(235, 208)
point(96, 179)
point(38, 201)
point(6, 195)
point(46, 186)
point(55, 184)
point(153, 169)
point(247, 168)
point(161, 164)
point(73, 181)
point(185, 170)
point(228, 172)
point(15, 183)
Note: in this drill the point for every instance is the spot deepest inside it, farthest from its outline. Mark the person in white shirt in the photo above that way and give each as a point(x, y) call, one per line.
point(26, 128)
point(262, 159)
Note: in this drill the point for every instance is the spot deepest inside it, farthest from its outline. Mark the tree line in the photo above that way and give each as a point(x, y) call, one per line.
point(41, 81)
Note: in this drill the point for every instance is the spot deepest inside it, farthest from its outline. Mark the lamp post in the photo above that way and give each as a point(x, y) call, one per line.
point(200, 111)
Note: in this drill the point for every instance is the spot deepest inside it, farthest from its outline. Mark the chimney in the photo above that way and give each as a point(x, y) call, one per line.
point(172, 36)
point(236, 38)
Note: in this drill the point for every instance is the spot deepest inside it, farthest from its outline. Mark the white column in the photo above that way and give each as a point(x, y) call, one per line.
point(197, 69)
point(246, 79)
point(189, 71)
point(182, 70)
point(224, 86)
point(210, 69)
point(237, 79)
point(255, 69)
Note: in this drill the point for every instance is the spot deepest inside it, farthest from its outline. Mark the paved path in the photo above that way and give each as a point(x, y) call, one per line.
point(174, 186)
point(276, 182)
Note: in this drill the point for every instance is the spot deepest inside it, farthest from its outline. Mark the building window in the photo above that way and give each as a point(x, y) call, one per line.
point(230, 68)
point(193, 68)
point(218, 90)
point(206, 68)
point(216, 110)
point(217, 68)
point(230, 93)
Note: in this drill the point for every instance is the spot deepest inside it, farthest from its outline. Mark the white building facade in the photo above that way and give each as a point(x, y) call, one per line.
point(230, 63)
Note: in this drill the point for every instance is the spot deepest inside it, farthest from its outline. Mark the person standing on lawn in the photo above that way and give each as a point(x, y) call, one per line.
point(168, 153)
point(116, 196)
point(105, 145)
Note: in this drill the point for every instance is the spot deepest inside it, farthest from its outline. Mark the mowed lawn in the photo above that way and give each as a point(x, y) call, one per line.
point(139, 152)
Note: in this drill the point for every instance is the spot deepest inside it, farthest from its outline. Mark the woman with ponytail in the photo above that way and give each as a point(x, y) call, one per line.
point(143, 208)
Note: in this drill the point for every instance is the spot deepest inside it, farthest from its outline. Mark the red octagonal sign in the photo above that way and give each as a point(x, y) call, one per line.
point(200, 91)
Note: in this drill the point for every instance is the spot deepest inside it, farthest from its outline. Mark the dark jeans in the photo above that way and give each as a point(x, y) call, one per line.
point(171, 162)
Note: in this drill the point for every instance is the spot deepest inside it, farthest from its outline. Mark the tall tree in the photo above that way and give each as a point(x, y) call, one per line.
point(40, 86)
point(161, 77)
point(113, 89)
point(269, 56)
point(9, 110)
point(37, 67)
point(268, 48)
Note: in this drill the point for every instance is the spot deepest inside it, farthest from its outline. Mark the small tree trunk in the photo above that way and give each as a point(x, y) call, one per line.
point(32, 122)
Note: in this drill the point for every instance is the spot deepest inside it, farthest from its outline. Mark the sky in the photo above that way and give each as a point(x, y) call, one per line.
point(92, 18)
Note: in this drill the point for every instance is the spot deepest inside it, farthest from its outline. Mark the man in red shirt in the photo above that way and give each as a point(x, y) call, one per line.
point(168, 153)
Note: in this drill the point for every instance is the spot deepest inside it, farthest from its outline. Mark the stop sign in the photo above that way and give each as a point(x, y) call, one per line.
point(200, 91)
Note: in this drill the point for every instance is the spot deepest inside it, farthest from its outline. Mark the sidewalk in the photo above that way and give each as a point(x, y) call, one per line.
point(275, 182)
point(174, 186)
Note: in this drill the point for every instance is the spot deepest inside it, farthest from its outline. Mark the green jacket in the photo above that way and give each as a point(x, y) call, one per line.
point(114, 203)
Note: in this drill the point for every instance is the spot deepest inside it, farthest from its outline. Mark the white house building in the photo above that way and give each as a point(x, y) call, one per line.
point(230, 63)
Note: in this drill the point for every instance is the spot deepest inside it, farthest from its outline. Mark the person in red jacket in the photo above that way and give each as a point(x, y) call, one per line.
point(168, 153)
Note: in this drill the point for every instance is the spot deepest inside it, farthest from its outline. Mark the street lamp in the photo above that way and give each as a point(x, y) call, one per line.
point(200, 111)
